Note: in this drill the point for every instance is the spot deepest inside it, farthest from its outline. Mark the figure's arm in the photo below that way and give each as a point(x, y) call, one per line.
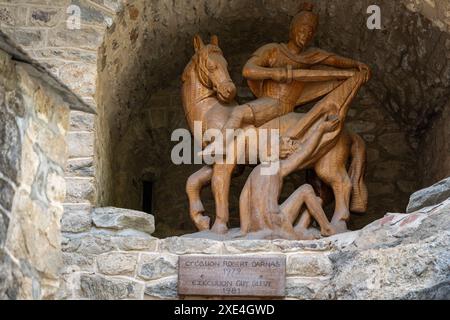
point(346, 63)
point(307, 148)
point(257, 67)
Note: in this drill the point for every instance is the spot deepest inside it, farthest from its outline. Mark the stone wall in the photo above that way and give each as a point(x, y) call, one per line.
point(438, 11)
point(434, 148)
point(398, 257)
point(34, 120)
point(40, 28)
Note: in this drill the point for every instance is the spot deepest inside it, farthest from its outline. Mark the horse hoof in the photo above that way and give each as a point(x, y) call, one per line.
point(340, 226)
point(202, 223)
point(220, 228)
point(328, 231)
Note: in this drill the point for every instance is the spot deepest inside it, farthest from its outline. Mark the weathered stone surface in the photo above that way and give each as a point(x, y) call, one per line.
point(81, 121)
point(240, 246)
point(87, 243)
point(4, 223)
point(9, 284)
point(6, 194)
point(101, 241)
point(26, 37)
point(165, 288)
point(80, 167)
point(120, 219)
point(80, 144)
point(83, 262)
point(157, 265)
point(97, 287)
point(188, 245)
point(76, 221)
point(79, 190)
point(429, 196)
point(48, 17)
point(308, 265)
point(308, 289)
point(10, 146)
point(117, 263)
point(84, 38)
point(131, 240)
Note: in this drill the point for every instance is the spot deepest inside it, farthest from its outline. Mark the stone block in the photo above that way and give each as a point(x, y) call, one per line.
point(91, 14)
point(432, 195)
point(87, 37)
point(157, 265)
point(46, 17)
point(80, 190)
point(114, 5)
point(308, 289)
point(81, 121)
point(79, 77)
point(88, 243)
point(7, 193)
point(97, 287)
point(56, 187)
point(4, 223)
point(81, 167)
point(298, 246)
point(13, 16)
point(51, 143)
point(76, 221)
point(120, 219)
point(308, 265)
point(117, 263)
point(77, 207)
point(247, 246)
point(26, 37)
point(180, 245)
point(81, 144)
point(131, 240)
point(10, 145)
point(165, 288)
point(82, 262)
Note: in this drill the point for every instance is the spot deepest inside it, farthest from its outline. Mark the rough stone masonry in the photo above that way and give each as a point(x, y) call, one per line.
point(401, 256)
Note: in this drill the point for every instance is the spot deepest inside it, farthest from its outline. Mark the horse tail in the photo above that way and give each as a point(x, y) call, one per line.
point(357, 171)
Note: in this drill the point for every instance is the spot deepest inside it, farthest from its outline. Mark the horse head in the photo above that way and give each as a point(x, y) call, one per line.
point(212, 69)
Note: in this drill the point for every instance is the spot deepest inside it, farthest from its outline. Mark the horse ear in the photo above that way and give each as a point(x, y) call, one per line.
point(215, 40)
point(198, 42)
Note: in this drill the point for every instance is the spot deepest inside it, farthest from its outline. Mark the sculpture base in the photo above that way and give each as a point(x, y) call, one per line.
point(235, 234)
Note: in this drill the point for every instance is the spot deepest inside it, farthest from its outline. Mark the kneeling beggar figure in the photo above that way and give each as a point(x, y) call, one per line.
point(283, 77)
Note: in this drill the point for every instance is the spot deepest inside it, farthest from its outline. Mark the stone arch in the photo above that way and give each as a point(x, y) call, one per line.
point(147, 47)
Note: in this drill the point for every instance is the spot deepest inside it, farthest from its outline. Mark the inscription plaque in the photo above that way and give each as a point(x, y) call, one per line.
point(232, 275)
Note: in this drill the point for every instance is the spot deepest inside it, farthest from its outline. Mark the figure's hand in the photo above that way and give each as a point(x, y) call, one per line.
point(330, 124)
point(287, 147)
point(279, 75)
point(362, 67)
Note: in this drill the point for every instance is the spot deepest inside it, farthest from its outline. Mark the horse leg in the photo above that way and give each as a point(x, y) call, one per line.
point(220, 184)
point(332, 171)
point(194, 185)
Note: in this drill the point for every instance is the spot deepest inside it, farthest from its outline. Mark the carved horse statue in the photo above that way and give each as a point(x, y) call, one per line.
point(208, 94)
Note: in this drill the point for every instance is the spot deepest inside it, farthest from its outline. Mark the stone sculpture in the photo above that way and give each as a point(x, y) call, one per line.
point(282, 77)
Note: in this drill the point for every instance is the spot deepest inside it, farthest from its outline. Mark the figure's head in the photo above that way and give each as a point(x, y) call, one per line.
point(304, 26)
point(212, 69)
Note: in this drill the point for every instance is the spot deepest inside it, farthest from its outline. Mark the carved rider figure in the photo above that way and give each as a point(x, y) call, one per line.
point(280, 75)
